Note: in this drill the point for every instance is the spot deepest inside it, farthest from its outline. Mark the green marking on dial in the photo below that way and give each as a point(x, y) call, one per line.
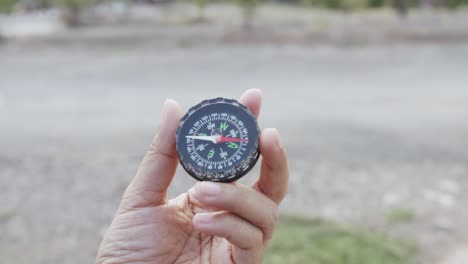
point(211, 154)
point(233, 145)
point(202, 134)
point(223, 126)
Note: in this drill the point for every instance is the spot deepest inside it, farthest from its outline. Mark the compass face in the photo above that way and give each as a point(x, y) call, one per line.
point(217, 140)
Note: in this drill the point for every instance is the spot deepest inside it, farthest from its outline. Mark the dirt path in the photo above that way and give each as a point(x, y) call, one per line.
point(459, 256)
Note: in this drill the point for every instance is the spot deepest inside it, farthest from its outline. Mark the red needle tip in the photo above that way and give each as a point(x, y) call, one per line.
point(228, 139)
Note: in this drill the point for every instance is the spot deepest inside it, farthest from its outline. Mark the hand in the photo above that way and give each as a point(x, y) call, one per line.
point(212, 223)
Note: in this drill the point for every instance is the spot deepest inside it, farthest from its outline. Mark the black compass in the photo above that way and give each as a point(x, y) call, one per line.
point(218, 140)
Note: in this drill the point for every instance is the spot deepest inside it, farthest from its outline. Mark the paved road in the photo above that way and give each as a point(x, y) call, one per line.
point(367, 129)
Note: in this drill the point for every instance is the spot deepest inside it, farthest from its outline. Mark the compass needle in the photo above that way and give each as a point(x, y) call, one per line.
point(218, 140)
point(206, 138)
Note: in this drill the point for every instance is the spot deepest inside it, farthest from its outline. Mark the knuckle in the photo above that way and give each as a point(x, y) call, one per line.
point(155, 150)
point(230, 195)
point(275, 215)
point(285, 192)
point(257, 238)
point(271, 222)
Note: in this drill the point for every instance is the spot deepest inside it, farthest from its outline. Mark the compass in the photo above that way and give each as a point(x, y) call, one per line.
point(218, 140)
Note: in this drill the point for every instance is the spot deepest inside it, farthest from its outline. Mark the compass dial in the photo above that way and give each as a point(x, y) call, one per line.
point(218, 140)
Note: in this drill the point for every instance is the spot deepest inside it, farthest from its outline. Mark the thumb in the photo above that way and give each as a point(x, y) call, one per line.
point(149, 187)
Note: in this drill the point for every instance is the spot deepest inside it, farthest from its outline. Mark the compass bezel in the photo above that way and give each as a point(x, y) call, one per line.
point(239, 168)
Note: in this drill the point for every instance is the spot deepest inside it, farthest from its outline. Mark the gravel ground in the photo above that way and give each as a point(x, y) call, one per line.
point(368, 129)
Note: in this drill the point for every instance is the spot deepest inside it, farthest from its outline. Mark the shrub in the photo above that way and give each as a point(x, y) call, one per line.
point(6, 6)
point(375, 3)
point(249, 7)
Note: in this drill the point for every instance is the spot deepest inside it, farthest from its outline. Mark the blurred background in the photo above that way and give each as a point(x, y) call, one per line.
point(371, 98)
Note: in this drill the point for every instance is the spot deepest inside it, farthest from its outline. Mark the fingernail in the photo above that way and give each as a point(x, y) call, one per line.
point(164, 110)
point(278, 138)
point(256, 90)
point(209, 188)
point(202, 219)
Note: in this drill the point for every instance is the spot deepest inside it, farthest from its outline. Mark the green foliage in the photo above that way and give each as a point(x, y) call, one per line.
point(362, 4)
point(331, 4)
point(400, 215)
point(248, 3)
point(354, 4)
point(249, 8)
point(6, 6)
point(375, 3)
point(73, 10)
point(302, 240)
point(7, 215)
point(452, 4)
point(339, 4)
point(44, 3)
point(201, 4)
point(72, 5)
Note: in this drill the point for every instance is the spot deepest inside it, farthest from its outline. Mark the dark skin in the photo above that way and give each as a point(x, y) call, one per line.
point(211, 222)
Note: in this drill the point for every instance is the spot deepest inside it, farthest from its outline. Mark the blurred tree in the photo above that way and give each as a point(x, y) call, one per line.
point(73, 9)
point(401, 6)
point(375, 3)
point(345, 5)
point(6, 6)
point(348, 5)
point(201, 4)
point(331, 4)
point(34, 4)
point(249, 8)
point(452, 4)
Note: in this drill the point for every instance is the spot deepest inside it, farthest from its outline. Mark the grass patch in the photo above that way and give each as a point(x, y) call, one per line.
point(7, 215)
point(315, 241)
point(6, 6)
point(400, 215)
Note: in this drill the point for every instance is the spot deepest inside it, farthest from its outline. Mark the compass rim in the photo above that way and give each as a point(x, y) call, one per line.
point(252, 154)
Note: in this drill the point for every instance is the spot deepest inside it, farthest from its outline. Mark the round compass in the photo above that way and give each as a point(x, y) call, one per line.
point(218, 140)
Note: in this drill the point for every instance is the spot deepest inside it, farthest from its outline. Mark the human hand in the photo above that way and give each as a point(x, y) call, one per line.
point(212, 222)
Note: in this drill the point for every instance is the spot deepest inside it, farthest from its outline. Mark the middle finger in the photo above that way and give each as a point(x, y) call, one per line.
point(243, 201)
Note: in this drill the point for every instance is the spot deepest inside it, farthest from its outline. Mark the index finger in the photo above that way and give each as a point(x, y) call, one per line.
point(252, 98)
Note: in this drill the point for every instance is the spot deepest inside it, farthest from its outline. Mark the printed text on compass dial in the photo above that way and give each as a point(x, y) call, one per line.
point(228, 147)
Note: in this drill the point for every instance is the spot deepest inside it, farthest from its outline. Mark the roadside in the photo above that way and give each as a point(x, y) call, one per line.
point(376, 134)
point(459, 256)
point(177, 24)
